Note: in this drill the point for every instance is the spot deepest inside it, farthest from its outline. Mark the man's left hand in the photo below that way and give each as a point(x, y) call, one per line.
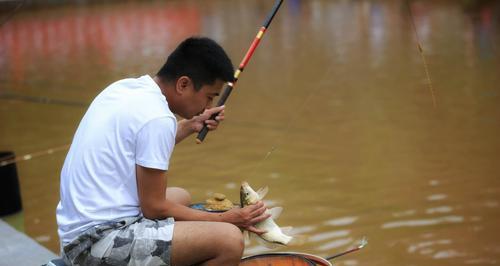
point(197, 122)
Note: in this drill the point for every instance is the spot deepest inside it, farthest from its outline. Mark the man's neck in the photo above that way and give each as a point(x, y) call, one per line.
point(161, 84)
point(166, 91)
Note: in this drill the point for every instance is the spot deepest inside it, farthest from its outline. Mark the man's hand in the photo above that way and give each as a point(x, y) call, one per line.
point(197, 122)
point(187, 127)
point(247, 217)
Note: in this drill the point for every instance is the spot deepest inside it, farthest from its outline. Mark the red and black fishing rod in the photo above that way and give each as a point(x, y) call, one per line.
point(230, 85)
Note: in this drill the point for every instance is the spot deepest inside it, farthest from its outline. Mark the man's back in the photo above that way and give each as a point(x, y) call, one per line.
point(98, 181)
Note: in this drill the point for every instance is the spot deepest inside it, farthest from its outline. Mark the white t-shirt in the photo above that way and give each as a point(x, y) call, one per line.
point(128, 123)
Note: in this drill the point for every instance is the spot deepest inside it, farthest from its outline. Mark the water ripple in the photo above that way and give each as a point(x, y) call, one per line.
point(335, 244)
point(424, 222)
point(433, 182)
point(481, 261)
point(231, 185)
point(342, 221)
point(437, 197)
point(43, 238)
point(440, 209)
point(350, 262)
point(327, 235)
point(404, 213)
point(303, 229)
point(491, 204)
point(446, 254)
point(422, 245)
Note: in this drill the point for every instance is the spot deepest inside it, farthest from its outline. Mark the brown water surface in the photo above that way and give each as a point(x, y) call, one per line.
point(337, 96)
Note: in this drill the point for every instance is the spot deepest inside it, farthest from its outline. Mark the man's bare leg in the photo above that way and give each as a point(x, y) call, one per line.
point(206, 243)
point(203, 243)
point(178, 195)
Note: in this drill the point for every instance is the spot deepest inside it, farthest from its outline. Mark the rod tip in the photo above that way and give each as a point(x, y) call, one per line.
point(363, 243)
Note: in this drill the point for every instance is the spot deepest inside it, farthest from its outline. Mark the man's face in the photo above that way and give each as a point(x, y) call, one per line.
point(197, 101)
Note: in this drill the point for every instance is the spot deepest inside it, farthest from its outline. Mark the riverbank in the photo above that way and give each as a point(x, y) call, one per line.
point(16, 248)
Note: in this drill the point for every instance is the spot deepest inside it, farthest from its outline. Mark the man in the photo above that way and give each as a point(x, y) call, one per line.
point(115, 206)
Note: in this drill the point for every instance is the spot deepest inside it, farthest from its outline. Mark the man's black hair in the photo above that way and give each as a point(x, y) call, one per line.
point(199, 58)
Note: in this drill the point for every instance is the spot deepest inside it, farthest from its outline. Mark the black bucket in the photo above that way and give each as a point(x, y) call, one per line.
point(10, 195)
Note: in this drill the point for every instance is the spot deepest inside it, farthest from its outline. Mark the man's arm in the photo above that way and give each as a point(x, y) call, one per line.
point(186, 127)
point(151, 186)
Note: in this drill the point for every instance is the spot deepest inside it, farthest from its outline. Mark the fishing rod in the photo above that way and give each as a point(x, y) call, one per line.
point(294, 258)
point(41, 100)
point(230, 85)
point(361, 245)
point(13, 12)
point(7, 160)
point(421, 51)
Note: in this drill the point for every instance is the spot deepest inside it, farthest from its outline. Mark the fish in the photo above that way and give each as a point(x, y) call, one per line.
point(274, 234)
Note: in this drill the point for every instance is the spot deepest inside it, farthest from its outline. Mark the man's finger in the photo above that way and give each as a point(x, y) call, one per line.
point(259, 211)
point(254, 208)
point(211, 122)
point(214, 110)
point(260, 218)
point(256, 230)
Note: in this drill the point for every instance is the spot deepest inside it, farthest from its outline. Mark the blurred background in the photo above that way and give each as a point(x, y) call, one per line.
point(336, 96)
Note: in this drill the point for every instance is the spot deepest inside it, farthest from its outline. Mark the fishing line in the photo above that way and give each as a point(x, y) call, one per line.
point(41, 100)
point(361, 245)
point(427, 73)
point(10, 160)
point(13, 12)
point(291, 121)
point(421, 51)
point(202, 134)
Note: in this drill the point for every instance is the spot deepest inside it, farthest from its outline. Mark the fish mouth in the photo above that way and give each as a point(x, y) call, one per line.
point(244, 186)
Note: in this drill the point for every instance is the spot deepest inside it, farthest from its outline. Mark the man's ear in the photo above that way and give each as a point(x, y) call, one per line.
point(183, 83)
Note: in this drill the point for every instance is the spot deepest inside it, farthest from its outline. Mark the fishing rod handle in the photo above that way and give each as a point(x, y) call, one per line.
point(204, 131)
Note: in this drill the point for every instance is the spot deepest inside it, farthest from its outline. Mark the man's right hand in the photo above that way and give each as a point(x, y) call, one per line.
point(246, 217)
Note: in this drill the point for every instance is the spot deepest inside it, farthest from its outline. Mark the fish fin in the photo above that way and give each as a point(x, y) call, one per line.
point(275, 212)
point(265, 243)
point(246, 237)
point(295, 240)
point(262, 192)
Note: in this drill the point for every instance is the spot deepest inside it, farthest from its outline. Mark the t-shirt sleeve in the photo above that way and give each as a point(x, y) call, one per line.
point(155, 143)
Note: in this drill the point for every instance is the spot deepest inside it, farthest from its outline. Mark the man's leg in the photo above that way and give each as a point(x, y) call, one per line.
point(178, 195)
point(206, 243)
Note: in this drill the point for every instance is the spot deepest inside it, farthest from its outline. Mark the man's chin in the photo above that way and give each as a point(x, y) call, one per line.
point(199, 113)
point(190, 116)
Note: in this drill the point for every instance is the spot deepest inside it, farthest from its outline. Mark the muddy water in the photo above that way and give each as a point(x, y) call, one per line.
point(337, 96)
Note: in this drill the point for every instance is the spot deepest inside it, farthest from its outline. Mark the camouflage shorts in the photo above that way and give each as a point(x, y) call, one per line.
point(129, 241)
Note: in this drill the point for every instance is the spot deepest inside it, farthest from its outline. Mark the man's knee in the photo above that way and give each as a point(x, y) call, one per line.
point(194, 242)
point(233, 240)
point(178, 195)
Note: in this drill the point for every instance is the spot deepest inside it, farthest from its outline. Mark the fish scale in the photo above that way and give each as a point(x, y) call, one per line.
point(274, 234)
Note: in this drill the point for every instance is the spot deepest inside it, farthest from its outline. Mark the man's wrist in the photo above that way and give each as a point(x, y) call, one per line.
point(216, 217)
point(192, 126)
